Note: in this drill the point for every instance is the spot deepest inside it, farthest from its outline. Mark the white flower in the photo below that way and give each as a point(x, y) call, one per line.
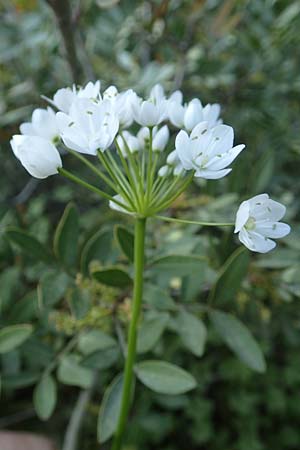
point(91, 90)
point(89, 126)
point(174, 161)
point(64, 97)
point(122, 103)
point(178, 170)
point(147, 113)
point(124, 107)
point(160, 139)
point(189, 115)
point(132, 143)
point(208, 152)
point(176, 97)
point(43, 123)
point(157, 94)
point(152, 111)
point(143, 135)
point(257, 220)
point(164, 171)
point(172, 158)
point(117, 207)
point(39, 156)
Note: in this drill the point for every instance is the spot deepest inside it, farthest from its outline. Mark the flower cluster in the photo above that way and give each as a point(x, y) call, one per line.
point(130, 136)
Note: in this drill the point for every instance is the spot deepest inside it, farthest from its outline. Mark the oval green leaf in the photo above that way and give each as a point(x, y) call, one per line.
point(231, 275)
point(192, 332)
point(164, 378)
point(13, 336)
point(71, 373)
point(150, 331)
point(29, 244)
point(125, 240)
point(110, 409)
point(94, 340)
point(66, 236)
point(158, 298)
point(239, 340)
point(178, 265)
point(97, 248)
point(112, 276)
point(52, 288)
point(44, 397)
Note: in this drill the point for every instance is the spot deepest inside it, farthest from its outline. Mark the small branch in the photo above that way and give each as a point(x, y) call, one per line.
point(63, 14)
point(26, 192)
point(17, 418)
point(73, 429)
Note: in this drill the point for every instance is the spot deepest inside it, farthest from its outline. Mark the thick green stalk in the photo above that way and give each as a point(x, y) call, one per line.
point(139, 254)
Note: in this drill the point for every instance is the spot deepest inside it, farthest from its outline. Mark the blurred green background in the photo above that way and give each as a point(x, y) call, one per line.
point(242, 54)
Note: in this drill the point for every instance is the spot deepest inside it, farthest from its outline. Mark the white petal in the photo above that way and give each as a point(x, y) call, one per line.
point(255, 242)
point(91, 90)
point(222, 140)
point(176, 97)
point(149, 114)
point(242, 216)
point(163, 171)
point(273, 230)
point(157, 92)
point(116, 206)
point(193, 114)
point(178, 170)
point(199, 130)
point(27, 128)
point(260, 243)
point(16, 142)
point(161, 139)
point(172, 158)
point(246, 239)
point(263, 208)
point(211, 114)
point(212, 174)
point(110, 93)
point(223, 160)
point(184, 151)
point(63, 99)
point(276, 210)
point(75, 140)
point(258, 199)
point(176, 114)
point(63, 121)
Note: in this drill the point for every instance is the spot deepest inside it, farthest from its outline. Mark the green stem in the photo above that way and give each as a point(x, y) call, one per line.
point(129, 175)
point(117, 177)
point(139, 254)
point(93, 168)
point(132, 161)
point(89, 186)
point(194, 222)
point(149, 168)
point(169, 196)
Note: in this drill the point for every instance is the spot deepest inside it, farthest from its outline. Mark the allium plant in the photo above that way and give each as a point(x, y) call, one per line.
point(142, 177)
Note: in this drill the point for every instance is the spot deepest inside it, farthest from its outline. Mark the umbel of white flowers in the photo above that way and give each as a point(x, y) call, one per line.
point(143, 173)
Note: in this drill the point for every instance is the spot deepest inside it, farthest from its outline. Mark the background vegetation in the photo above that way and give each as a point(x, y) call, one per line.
point(242, 54)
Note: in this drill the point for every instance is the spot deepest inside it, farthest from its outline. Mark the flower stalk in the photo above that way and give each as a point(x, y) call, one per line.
point(139, 256)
